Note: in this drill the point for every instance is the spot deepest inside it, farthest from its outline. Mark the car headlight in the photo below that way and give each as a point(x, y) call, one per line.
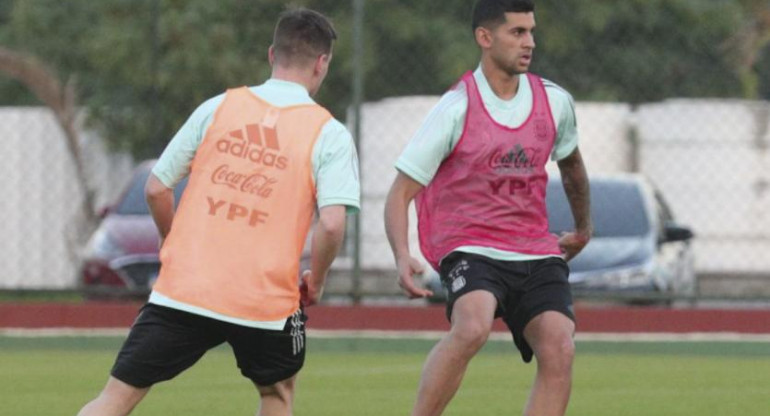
point(103, 246)
point(626, 277)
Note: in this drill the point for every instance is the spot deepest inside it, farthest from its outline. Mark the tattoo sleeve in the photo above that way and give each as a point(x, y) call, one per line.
point(575, 181)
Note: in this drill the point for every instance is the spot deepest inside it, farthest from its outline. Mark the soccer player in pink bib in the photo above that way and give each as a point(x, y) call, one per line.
point(476, 170)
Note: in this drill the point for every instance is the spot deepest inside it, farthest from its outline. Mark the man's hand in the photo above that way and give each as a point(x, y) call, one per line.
point(572, 243)
point(309, 294)
point(407, 268)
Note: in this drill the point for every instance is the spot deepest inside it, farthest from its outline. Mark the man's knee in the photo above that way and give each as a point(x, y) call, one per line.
point(117, 398)
point(551, 337)
point(282, 390)
point(471, 335)
point(472, 318)
point(557, 356)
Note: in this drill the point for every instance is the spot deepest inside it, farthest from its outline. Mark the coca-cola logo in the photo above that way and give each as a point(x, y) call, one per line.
point(517, 159)
point(255, 183)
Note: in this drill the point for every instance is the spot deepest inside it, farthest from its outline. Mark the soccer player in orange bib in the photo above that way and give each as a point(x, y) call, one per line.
point(260, 161)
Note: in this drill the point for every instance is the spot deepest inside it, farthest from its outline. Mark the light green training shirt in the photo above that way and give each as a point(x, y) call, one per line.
point(335, 161)
point(443, 127)
point(335, 169)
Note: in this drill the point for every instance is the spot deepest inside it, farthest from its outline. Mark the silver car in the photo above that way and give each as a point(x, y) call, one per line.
point(637, 252)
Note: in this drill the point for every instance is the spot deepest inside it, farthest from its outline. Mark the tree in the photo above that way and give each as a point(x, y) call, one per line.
point(144, 65)
point(638, 50)
point(745, 46)
point(60, 98)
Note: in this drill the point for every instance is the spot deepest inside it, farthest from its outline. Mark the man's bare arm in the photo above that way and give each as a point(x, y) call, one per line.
point(328, 234)
point(400, 196)
point(160, 200)
point(576, 186)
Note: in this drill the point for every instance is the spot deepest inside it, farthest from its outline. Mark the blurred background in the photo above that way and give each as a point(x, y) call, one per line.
point(671, 96)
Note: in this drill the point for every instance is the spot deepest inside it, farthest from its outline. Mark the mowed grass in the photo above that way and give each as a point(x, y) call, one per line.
point(56, 376)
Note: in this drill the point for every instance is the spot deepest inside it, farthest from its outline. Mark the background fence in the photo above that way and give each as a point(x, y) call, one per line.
point(670, 89)
point(42, 219)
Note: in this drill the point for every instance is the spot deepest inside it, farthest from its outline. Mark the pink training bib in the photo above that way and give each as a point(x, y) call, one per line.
point(490, 191)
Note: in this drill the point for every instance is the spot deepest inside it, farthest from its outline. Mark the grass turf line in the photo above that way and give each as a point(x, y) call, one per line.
point(377, 345)
point(379, 377)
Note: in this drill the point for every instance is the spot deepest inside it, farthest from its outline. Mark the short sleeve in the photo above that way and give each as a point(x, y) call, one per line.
point(335, 168)
point(563, 109)
point(174, 163)
point(436, 137)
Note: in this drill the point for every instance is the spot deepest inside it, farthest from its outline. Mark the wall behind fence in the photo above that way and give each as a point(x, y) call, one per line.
point(40, 211)
point(623, 64)
point(708, 157)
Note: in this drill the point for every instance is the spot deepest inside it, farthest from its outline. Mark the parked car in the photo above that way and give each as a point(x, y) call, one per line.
point(122, 254)
point(637, 248)
point(121, 257)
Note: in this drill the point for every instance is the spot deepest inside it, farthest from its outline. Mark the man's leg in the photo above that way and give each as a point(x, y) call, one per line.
point(162, 343)
point(277, 399)
point(472, 317)
point(117, 399)
point(550, 334)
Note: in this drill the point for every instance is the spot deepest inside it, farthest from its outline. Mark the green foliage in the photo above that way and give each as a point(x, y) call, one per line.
point(764, 76)
point(638, 50)
point(151, 81)
point(413, 49)
point(142, 66)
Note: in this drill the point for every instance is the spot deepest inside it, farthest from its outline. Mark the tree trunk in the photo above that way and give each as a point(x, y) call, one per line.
point(744, 47)
point(61, 100)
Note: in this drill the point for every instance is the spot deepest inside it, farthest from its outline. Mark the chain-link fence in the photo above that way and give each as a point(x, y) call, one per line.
point(656, 94)
point(645, 104)
point(711, 171)
point(43, 223)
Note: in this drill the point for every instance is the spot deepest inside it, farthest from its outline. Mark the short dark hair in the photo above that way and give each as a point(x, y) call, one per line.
point(302, 34)
point(489, 13)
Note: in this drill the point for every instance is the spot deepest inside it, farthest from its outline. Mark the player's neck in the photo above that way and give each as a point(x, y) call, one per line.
point(503, 84)
point(291, 75)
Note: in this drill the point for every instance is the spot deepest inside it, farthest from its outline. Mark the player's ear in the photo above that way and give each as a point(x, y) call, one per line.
point(322, 63)
point(483, 37)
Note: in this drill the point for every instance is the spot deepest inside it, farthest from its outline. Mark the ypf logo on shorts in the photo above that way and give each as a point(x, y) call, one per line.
point(456, 277)
point(458, 283)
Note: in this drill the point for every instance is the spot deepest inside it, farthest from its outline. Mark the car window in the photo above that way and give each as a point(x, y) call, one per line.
point(617, 209)
point(133, 201)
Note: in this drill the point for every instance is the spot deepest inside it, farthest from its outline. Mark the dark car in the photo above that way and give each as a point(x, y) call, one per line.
point(121, 256)
point(637, 247)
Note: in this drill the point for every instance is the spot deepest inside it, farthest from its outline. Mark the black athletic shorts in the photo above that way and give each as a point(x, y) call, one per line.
point(524, 289)
point(163, 342)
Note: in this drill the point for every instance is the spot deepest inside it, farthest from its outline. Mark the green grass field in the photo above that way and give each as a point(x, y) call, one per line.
point(55, 376)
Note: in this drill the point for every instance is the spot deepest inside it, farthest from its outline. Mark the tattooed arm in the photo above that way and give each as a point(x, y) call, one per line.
point(575, 181)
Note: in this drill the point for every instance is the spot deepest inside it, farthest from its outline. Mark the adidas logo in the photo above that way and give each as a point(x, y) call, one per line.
point(260, 145)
